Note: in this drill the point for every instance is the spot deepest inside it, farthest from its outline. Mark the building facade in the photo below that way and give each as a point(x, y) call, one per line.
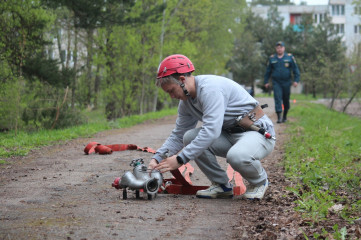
point(345, 16)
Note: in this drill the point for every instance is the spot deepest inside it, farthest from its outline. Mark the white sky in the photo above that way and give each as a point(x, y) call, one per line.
point(312, 2)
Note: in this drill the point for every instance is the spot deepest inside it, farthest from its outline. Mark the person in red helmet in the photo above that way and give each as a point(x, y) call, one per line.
point(217, 102)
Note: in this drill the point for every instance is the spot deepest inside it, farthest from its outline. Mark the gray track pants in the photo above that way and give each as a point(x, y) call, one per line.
point(243, 152)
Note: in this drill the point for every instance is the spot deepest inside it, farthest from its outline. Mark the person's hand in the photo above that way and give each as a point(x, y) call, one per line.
point(168, 164)
point(152, 164)
point(295, 84)
point(266, 85)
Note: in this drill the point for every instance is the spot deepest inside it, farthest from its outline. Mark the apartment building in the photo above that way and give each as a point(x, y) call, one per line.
point(345, 16)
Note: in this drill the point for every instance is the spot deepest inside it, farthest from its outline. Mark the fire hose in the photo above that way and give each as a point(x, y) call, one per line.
point(155, 183)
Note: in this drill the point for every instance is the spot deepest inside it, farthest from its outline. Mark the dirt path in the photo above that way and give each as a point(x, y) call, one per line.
point(59, 193)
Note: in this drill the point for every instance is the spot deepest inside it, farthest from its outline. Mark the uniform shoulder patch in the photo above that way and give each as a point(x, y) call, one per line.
point(272, 55)
point(290, 54)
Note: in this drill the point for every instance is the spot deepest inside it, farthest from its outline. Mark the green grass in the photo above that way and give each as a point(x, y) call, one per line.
point(323, 156)
point(20, 144)
point(297, 97)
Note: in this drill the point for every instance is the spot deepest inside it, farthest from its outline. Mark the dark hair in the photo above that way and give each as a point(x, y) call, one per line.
point(171, 78)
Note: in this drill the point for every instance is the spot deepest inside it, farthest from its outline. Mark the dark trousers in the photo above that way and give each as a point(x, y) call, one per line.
point(282, 92)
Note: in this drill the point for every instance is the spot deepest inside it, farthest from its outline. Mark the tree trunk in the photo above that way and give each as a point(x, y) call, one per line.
point(110, 104)
point(75, 58)
point(314, 94)
point(97, 86)
point(155, 100)
point(68, 48)
point(58, 37)
point(350, 100)
point(89, 64)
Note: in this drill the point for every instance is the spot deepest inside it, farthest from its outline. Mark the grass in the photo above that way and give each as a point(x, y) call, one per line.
point(20, 144)
point(323, 158)
point(294, 96)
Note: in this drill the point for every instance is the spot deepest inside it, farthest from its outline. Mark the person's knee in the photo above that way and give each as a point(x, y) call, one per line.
point(189, 136)
point(238, 158)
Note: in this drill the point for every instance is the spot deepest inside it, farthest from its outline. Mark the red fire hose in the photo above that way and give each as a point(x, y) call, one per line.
point(180, 184)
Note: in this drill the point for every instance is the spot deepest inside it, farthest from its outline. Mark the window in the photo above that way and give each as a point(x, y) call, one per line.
point(357, 10)
point(357, 29)
point(338, 10)
point(298, 20)
point(319, 17)
point(340, 28)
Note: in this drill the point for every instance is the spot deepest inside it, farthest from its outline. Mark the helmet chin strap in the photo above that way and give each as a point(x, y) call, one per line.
point(185, 90)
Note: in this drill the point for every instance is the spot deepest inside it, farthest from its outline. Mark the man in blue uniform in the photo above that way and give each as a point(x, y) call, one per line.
point(279, 68)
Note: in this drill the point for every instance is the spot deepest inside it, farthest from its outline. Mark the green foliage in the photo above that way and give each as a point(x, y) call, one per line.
point(107, 53)
point(130, 54)
point(211, 27)
point(47, 70)
point(271, 2)
point(23, 24)
point(323, 156)
point(317, 49)
point(10, 104)
point(121, 50)
point(91, 14)
point(253, 45)
point(246, 62)
point(47, 104)
point(321, 54)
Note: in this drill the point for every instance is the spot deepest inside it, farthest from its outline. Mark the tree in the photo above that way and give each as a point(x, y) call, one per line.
point(183, 28)
point(253, 46)
point(211, 27)
point(246, 63)
point(321, 48)
point(271, 2)
point(23, 24)
point(90, 16)
point(353, 77)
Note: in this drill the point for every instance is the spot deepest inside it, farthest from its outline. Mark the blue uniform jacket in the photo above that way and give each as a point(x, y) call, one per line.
point(280, 69)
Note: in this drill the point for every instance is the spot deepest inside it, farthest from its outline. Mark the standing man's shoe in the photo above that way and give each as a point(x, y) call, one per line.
point(284, 119)
point(279, 120)
point(216, 191)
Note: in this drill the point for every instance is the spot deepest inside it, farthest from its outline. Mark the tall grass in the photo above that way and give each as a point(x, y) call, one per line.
point(294, 96)
point(323, 157)
point(21, 143)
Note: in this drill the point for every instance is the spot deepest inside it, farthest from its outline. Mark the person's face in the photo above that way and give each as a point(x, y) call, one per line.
point(280, 49)
point(174, 91)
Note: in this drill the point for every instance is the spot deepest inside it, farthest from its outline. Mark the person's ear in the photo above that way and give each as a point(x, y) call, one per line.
point(182, 78)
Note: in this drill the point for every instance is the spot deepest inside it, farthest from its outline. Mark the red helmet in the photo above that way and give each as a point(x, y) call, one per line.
point(176, 63)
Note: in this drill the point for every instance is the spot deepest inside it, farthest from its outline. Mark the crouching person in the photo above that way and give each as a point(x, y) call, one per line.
point(215, 101)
